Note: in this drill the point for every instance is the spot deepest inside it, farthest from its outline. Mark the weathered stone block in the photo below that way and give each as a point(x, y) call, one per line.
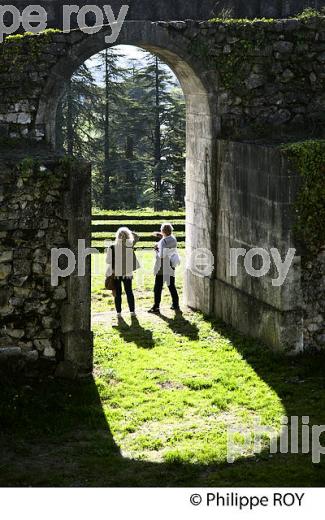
point(42, 344)
point(6, 256)
point(5, 271)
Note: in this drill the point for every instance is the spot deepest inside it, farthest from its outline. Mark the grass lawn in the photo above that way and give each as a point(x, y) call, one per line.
point(165, 390)
point(101, 239)
point(138, 212)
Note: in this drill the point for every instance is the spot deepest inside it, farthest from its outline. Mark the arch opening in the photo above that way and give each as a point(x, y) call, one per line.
point(123, 111)
point(201, 131)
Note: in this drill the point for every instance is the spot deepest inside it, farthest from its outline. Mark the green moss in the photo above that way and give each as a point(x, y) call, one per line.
point(19, 49)
point(42, 34)
point(232, 67)
point(242, 21)
point(308, 157)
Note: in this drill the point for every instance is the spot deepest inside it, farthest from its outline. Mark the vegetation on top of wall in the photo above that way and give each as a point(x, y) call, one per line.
point(241, 21)
point(306, 14)
point(308, 157)
point(310, 12)
point(251, 39)
point(43, 34)
point(12, 54)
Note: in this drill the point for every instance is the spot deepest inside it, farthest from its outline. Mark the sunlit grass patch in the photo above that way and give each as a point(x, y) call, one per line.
point(167, 390)
point(178, 398)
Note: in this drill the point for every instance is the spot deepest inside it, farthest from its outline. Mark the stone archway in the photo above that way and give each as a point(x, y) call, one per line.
point(201, 131)
point(239, 80)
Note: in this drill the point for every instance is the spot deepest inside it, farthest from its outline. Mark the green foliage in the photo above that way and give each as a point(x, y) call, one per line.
point(110, 116)
point(310, 12)
point(28, 166)
point(77, 115)
point(143, 212)
point(308, 157)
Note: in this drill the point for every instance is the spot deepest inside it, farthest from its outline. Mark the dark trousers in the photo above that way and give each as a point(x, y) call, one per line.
point(127, 282)
point(159, 283)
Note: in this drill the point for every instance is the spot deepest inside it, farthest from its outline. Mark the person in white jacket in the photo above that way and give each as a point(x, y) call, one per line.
point(167, 259)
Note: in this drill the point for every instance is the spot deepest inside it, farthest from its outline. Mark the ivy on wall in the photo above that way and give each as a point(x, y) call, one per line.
point(308, 158)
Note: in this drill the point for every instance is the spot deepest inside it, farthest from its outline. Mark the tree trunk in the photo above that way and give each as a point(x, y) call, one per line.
point(70, 130)
point(129, 148)
point(180, 194)
point(157, 151)
point(129, 170)
point(59, 124)
point(106, 172)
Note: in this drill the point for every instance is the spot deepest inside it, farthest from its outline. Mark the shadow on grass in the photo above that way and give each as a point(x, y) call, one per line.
point(181, 326)
point(135, 333)
point(55, 433)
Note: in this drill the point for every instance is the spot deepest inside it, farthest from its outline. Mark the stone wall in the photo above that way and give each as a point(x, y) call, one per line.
point(184, 9)
point(30, 223)
point(256, 190)
point(313, 288)
point(35, 215)
point(268, 78)
point(247, 86)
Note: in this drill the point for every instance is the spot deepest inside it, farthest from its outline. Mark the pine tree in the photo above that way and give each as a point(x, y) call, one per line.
point(129, 122)
point(106, 169)
point(174, 151)
point(111, 99)
point(159, 84)
point(76, 114)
